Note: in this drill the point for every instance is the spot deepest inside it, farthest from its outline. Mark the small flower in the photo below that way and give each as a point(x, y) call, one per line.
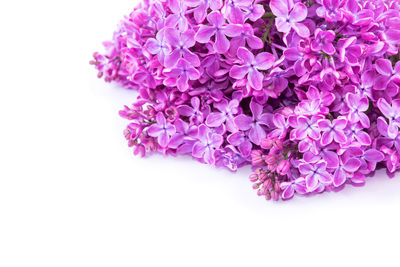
point(289, 188)
point(289, 16)
point(158, 46)
point(358, 105)
point(304, 127)
point(392, 112)
point(251, 66)
point(181, 74)
point(206, 145)
point(333, 131)
point(226, 114)
point(323, 41)
point(242, 142)
point(220, 29)
point(314, 174)
point(181, 43)
point(162, 130)
point(387, 74)
point(331, 10)
point(244, 123)
point(194, 113)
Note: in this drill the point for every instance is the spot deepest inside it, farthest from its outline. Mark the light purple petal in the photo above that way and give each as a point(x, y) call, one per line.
point(384, 66)
point(298, 13)
point(215, 119)
point(243, 122)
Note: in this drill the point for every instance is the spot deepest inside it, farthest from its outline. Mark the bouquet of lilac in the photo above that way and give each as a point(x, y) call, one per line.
point(306, 91)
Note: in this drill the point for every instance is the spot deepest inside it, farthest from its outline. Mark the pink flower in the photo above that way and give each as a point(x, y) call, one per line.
point(333, 131)
point(162, 130)
point(251, 66)
point(289, 15)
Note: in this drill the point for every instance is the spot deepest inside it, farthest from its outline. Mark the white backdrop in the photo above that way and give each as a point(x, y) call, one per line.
point(72, 193)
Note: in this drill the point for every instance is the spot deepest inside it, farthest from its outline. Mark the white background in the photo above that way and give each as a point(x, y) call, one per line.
point(72, 193)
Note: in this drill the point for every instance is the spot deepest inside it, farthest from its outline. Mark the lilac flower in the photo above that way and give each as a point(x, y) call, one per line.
point(181, 74)
point(251, 66)
point(333, 131)
point(226, 114)
point(244, 123)
point(181, 42)
point(331, 10)
point(343, 170)
point(178, 18)
point(282, 126)
point(314, 174)
point(289, 16)
point(388, 74)
point(357, 105)
point(354, 131)
point(201, 7)
point(289, 188)
point(162, 130)
point(220, 29)
point(246, 37)
point(184, 132)
point(206, 145)
point(158, 46)
point(304, 127)
point(323, 41)
point(194, 113)
point(242, 142)
point(392, 112)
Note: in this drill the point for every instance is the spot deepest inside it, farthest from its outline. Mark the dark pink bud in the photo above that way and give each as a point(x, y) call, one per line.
point(257, 158)
point(266, 143)
point(253, 177)
point(283, 167)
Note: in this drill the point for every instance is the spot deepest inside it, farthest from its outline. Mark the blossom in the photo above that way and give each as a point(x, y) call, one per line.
point(162, 130)
point(220, 29)
point(181, 74)
point(314, 174)
point(333, 131)
point(206, 145)
point(289, 16)
point(323, 41)
point(194, 113)
point(254, 123)
point(226, 114)
point(181, 42)
point(158, 46)
point(289, 188)
point(387, 74)
point(331, 10)
point(304, 127)
point(251, 66)
point(357, 105)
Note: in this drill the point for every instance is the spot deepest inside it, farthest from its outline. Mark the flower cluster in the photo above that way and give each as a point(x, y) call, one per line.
point(306, 91)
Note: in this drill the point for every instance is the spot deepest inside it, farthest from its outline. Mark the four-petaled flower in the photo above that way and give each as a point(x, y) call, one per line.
point(206, 145)
point(162, 130)
point(220, 29)
point(251, 66)
point(181, 74)
point(324, 41)
point(244, 122)
point(333, 131)
point(357, 105)
point(315, 174)
point(289, 15)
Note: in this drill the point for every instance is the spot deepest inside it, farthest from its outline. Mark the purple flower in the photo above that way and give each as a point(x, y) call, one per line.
point(193, 112)
point(206, 145)
point(226, 114)
point(181, 42)
point(314, 174)
point(184, 132)
point(354, 131)
point(331, 10)
point(201, 7)
point(304, 127)
point(388, 74)
point(242, 142)
point(323, 41)
point(343, 170)
point(282, 126)
point(289, 188)
point(158, 46)
point(162, 130)
point(246, 37)
point(244, 123)
point(289, 15)
point(357, 105)
point(333, 131)
point(392, 112)
point(251, 66)
point(181, 74)
point(220, 29)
